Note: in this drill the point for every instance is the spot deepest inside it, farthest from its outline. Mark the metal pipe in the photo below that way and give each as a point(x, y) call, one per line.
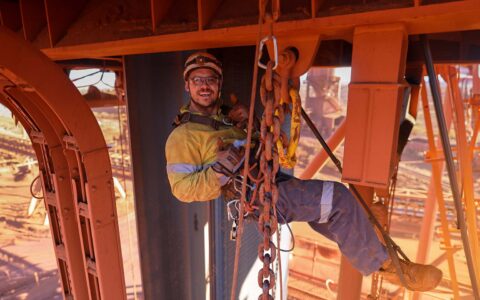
point(319, 137)
point(435, 195)
point(465, 158)
point(449, 161)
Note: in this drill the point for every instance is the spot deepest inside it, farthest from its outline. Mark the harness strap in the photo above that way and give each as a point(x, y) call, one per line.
point(205, 120)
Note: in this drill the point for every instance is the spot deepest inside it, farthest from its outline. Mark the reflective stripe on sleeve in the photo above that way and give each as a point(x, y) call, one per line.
point(326, 201)
point(186, 168)
point(183, 168)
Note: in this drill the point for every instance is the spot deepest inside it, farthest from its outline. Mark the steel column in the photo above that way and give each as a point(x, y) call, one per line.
point(435, 194)
point(378, 69)
point(464, 157)
point(349, 279)
point(174, 237)
point(168, 230)
point(450, 164)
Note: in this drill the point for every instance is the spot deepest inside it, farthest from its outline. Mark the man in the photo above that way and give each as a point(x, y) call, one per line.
point(199, 168)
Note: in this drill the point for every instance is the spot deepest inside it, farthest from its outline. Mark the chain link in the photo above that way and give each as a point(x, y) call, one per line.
point(267, 223)
point(271, 135)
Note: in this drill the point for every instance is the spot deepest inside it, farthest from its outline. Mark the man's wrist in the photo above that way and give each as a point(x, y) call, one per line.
point(222, 178)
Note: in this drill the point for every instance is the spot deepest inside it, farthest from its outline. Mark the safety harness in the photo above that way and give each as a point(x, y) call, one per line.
point(201, 119)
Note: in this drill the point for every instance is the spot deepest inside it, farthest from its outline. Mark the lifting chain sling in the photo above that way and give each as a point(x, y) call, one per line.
point(275, 149)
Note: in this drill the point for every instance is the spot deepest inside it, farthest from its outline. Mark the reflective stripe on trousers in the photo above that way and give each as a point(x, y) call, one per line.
point(331, 210)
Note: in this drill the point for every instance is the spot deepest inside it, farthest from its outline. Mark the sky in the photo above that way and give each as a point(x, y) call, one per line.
point(344, 74)
point(105, 82)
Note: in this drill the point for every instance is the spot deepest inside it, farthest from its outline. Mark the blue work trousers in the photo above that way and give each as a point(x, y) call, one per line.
point(330, 209)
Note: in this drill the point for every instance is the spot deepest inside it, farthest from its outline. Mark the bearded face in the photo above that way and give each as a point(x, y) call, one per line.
point(203, 85)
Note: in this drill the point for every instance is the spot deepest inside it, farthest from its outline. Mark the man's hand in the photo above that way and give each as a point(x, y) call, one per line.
point(238, 113)
point(229, 160)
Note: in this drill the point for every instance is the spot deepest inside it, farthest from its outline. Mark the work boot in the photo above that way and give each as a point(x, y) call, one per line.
point(380, 212)
point(418, 277)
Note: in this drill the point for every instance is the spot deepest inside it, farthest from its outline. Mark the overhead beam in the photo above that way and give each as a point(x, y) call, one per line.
point(445, 17)
point(206, 10)
point(60, 15)
point(33, 17)
point(315, 6)
point(159, 9)
point(10, 15)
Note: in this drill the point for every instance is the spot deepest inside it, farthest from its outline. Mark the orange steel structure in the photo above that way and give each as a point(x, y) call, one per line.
point(74, 166)
point(378, 39)
point(435, 194)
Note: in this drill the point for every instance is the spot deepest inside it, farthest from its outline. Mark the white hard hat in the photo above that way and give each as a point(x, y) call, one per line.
point(201, 60)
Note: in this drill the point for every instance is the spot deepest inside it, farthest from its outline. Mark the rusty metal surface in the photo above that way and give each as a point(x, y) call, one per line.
point(375, 98)
point(423, 19)
point(71, 172)
point(61, 208)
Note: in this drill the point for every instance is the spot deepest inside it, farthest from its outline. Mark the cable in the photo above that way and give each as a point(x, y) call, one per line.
point(31, 188)
point(291, 234)
point(85, 76)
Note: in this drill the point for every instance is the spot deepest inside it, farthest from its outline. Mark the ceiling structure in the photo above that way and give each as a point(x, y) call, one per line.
point(96, 34)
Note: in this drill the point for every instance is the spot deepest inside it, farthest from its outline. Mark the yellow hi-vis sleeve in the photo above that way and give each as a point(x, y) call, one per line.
point(189, 171)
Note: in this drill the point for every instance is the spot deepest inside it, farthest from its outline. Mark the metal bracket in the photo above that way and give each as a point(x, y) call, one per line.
point(71, 143)
point(38, 137)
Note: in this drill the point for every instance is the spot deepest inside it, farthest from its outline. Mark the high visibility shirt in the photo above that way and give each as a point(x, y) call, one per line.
point(191, 150)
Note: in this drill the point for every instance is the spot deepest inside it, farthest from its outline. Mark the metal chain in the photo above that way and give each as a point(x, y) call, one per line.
point(275, 106)
point(268, 192)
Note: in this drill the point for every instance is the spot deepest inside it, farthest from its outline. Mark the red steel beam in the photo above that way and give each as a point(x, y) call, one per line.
point(33, 17)
point(378, 65)
point(315, 5)
point(465, 159)
point(73, 274)
point(206, 10)
point(10, 15)
point(84, 144)
point(423, 19)
point(60, 15)
point(159, 9)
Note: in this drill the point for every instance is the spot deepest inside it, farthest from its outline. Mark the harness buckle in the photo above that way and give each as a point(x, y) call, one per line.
point(185, 117)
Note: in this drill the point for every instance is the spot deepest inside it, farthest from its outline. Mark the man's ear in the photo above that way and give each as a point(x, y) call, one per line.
point(187, 88)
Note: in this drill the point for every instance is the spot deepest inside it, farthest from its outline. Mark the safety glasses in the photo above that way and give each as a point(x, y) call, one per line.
point(199, 81)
